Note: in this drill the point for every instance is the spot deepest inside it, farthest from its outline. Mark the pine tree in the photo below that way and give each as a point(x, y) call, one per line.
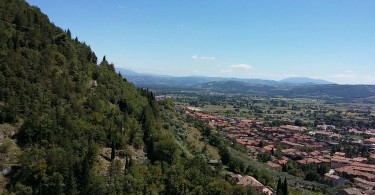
point(279, 190)
point(69, 33)
point(104, 61)
point(285, 187)
point(113, 150)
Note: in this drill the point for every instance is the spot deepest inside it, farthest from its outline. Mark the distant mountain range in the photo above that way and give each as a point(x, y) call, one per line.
point(162, 81)
point(291, 87)
point(305, 80)
point(317, 90)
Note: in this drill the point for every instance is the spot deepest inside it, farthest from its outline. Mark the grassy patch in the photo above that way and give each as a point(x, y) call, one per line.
point(298, 191)
point(355, 137)
point(195, 142)
point(217, 108)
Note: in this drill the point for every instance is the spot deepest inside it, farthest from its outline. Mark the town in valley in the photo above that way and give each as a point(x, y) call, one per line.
point(322, 140)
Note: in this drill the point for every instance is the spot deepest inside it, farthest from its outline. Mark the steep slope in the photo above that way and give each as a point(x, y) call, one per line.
point(62, 115)
point(63, 105)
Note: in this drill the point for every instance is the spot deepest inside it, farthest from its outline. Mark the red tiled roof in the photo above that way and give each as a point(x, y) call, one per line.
point(349, 170)
point(371, 140)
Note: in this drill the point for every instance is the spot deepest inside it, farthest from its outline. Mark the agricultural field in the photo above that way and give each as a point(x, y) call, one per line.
point(307, 110)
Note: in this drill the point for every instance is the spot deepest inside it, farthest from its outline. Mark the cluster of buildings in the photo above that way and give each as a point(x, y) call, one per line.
point(300, 145)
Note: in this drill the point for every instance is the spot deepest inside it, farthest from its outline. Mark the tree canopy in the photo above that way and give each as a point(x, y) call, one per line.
point(67, 108)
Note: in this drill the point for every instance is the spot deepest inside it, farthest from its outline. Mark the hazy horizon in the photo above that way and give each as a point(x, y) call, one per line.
point(329, 40)
point(197, 75)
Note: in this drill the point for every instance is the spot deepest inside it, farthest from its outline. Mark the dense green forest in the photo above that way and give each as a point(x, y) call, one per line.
point(70, 124)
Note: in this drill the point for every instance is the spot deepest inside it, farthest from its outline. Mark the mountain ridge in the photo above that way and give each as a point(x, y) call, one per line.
point(321, 91)
point(305, 80)
point(291, 87)
point(158, 81)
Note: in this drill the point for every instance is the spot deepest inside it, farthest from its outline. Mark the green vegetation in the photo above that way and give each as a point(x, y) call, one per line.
point(80, 128)
point(197, 143)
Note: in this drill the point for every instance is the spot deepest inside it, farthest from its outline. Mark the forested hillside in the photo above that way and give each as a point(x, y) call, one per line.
point(61, 110)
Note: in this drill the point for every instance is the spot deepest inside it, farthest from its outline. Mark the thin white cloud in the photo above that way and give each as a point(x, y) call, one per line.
point(350, 77)
point(236, 70)
point(291, 75)
point(241, 66)
point(226, 71)
point(196, 57)
point(343, 76)
point(346, 74)
point(197, 72)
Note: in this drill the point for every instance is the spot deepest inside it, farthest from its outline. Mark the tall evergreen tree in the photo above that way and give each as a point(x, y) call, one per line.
point(285, 186)
point(113, 150)
point(279, 190)
point(69, 34)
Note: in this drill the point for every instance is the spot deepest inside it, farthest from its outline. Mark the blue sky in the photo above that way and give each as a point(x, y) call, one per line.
point(332, 40)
